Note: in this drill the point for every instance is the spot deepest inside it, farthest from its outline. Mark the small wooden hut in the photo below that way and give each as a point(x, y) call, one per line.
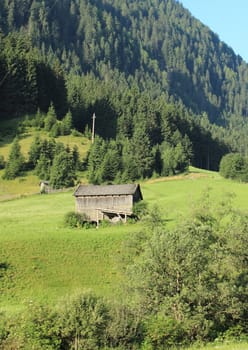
point(111, 202)
point(44, 187)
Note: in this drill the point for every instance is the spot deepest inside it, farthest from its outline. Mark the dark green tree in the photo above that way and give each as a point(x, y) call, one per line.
point(62, 171)
point(234, 166)
point(35, 151)
point(95, 158)
point(15, 163)
point(51, 118)
point(76, 157)
point(43, 167)
point(111, 164)
point(67, 124)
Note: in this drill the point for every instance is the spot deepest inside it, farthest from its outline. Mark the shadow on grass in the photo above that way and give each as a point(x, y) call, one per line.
point(3, 268)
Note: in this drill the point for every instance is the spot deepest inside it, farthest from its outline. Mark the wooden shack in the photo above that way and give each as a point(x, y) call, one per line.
point(44, 187)
point(111, 202)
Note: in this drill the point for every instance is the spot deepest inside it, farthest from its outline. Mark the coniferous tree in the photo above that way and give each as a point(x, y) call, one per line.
point(51, 118)
point(67, 124)
point(35, 151)
point(62, 171)
point(111, 163)
point(75, 157)
point(96, 155)
point(43, 167)
point(15, 163)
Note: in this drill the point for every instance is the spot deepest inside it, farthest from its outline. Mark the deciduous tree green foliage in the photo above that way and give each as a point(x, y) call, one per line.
point(15, 163)
point(83, 321)
point(234, 166)
point(191, 280)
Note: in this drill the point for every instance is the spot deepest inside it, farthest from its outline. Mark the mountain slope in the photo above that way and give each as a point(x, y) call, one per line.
point(157, 42)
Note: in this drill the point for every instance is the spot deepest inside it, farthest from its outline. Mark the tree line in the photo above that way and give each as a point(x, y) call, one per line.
point(170, 136)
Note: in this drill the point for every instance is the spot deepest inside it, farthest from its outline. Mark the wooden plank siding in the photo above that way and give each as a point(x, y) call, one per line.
point(108, 201)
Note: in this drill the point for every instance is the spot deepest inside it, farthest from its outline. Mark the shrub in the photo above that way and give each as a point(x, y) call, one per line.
point(76, 133)
point(35, 328)
point(125, 330)
point(73, 220)
point(84, 321)
point(140, 209)
point(234, 166)
point(163, 332)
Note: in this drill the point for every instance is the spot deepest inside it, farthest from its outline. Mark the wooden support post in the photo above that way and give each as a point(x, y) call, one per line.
point(97, 219)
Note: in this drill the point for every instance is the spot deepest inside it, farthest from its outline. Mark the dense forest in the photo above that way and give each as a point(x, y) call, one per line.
point(166, 91)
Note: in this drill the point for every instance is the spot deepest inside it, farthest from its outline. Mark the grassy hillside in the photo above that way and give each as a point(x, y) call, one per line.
point(27, 137)
point(29, 182)
point(40, 259)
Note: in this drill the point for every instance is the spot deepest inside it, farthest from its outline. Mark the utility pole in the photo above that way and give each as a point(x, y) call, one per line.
point(93, 128)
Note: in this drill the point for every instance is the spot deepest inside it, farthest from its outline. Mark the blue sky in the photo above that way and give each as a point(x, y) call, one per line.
point(227, 18)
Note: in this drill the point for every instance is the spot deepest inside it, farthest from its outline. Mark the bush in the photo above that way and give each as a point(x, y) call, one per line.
point(164, 332)
point(75, 132)
point(234, 166)
point(84, 322)
point(140, 209)
point(35, 328)
point(125, 330)
point(74, 220)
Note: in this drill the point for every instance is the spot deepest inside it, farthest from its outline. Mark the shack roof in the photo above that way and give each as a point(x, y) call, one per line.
point(107, 190)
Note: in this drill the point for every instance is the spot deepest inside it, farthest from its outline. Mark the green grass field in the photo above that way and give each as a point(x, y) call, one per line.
point(218, 346)
point(42, 260)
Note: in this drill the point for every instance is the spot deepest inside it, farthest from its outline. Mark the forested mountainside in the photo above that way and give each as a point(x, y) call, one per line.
point(156, 41)
point(162, 85)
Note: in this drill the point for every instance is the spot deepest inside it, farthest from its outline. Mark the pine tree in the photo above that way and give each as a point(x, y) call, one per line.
point(15, 164)
point(43, 167)
point(75, 157)
point(95, 158)
point(111, 164)
point(62, 171)
point(51, 118)
point(35, 150)
point(67, 123)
